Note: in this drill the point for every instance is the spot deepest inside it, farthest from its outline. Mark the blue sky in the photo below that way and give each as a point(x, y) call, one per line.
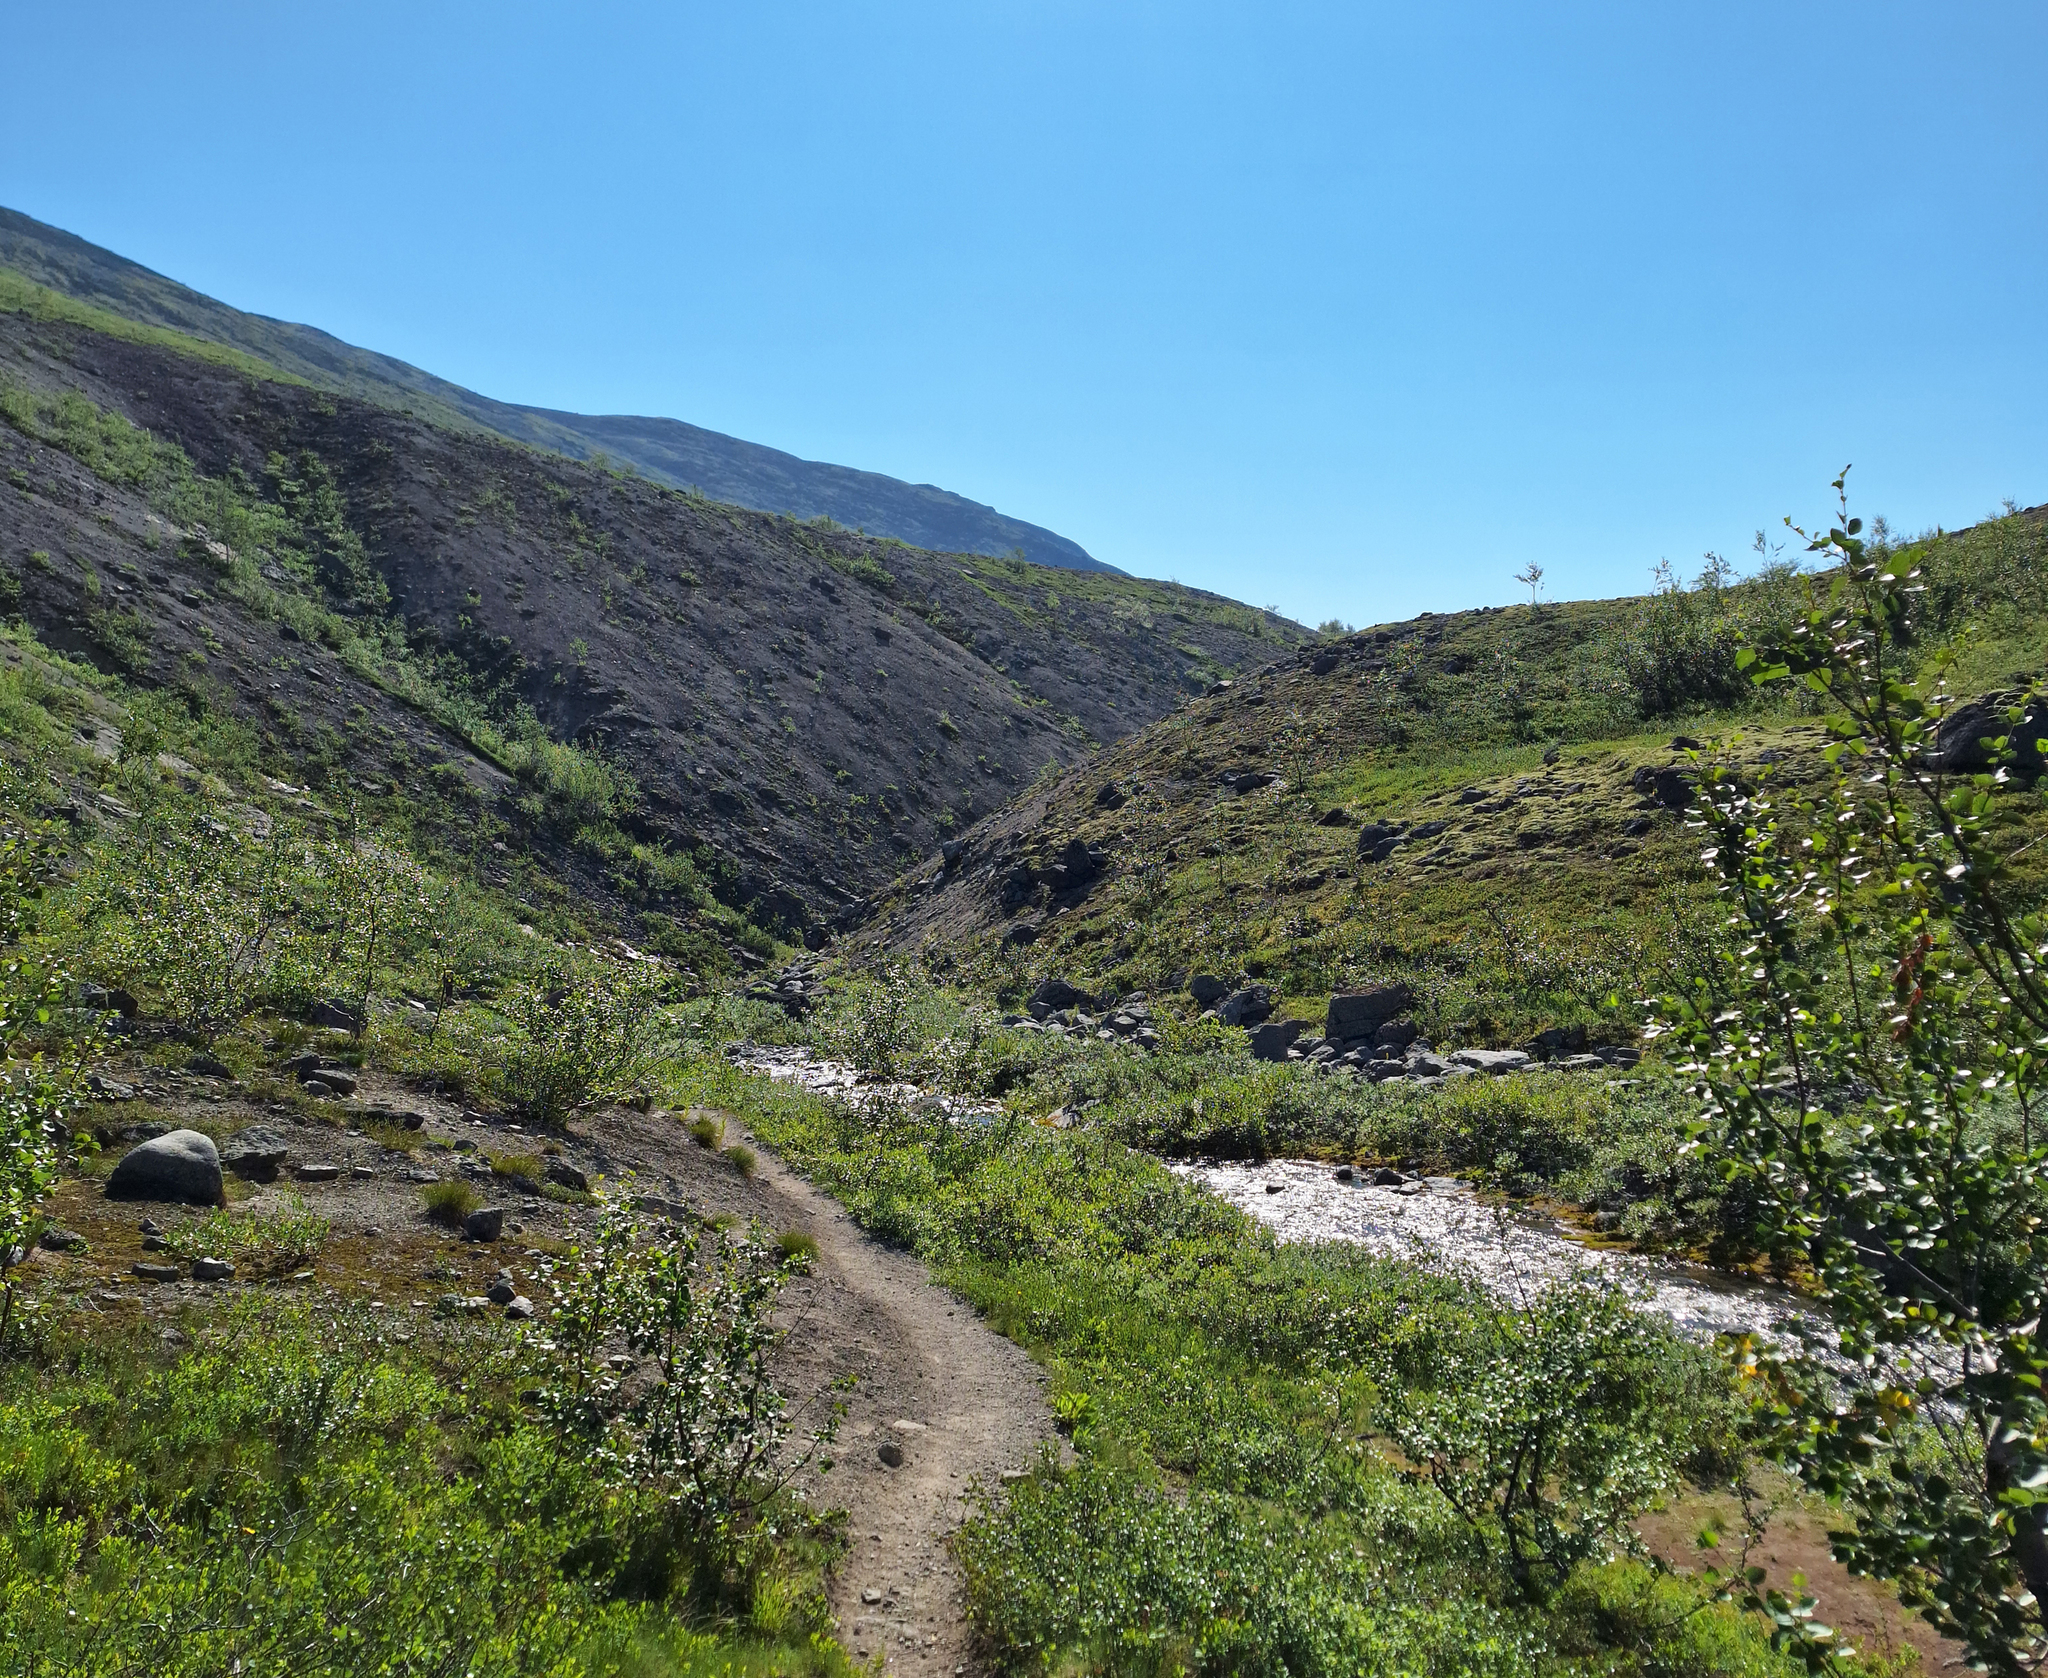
point(1347, 309)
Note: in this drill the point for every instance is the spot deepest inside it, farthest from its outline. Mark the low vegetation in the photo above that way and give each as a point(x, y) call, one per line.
point(1285, 1459)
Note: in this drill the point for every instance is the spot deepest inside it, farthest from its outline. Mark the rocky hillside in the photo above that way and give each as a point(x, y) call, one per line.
point(1488, 808)
point(807, 706)
point(669, 451)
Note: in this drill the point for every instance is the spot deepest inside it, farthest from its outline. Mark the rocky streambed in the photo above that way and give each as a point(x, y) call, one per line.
point(1438, 1221)
point(1441, 1221)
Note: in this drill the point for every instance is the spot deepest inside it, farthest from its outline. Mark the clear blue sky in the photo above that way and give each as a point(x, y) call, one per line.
point(1348, 309)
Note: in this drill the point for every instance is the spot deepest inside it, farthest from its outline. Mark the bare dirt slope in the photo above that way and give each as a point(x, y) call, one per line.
point(959, 1404)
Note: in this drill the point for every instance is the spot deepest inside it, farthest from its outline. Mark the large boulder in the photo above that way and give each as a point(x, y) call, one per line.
point(1054, 994)
point(1207, 989)
point(179, 1165)
point(1247, 1007)
point(1272, 1040)
point(1962, 744)
point(1078, 866)
point(1354, 1016)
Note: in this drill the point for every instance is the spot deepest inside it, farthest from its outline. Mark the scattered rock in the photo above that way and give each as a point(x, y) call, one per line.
point(336, 1016)
point(1272, 1040)
point(180, 1165)
point(108, 999)
point(1242, 781)
point(1386, 1177)
point(102, 1088)
point(891, 1453)
point(1491, 1060)
point(1413, 1185)
point(1110, 796)
point(1276, 1188)
point(212, 1270)
point(1334, 818)
point(255, 1153)
point(1053, 995)
point(1636, 826)
point(318, 1173)
point(1247, 1007)
point(1396, 1034)
point(157, 1272)
point(486, 1223)
point(1557, 1042)
point(501, 1292)
point(1207, 989)
point(519, 1308)
point(564, 1175)
point(1354, 1016)
point(208, 1066)
point(57, 1239)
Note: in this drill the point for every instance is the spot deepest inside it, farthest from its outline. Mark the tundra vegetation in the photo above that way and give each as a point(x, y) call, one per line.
point(1283, 1459)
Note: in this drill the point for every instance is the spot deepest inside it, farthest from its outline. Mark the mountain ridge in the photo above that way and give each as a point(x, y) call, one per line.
point(670, 451)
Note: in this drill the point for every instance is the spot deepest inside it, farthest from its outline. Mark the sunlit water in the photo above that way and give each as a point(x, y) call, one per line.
point(1512, 1252)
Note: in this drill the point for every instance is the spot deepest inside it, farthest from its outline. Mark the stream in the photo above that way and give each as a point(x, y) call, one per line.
point(1511, 1251)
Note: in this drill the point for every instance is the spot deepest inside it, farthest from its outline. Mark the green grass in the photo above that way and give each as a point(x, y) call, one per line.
point(1234, 1507)
point(292, 1489)
point(449, 1203)
point(20, 295)
point(262, 1240)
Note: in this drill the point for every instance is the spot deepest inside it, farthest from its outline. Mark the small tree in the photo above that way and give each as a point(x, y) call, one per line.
point(703, 1426)
point(198, 912)
point(1546, 1432)
point(1868, 1043)
point(1531, 578)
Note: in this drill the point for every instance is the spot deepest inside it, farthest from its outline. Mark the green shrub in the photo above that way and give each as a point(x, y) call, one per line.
point(798, 1245)
point(742, 1159)
point(582, 1033)
point(707, 1132)
point(275, 1494)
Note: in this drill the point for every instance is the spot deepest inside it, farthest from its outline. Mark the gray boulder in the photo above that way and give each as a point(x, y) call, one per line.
point(564, 1175)
point(1247, 1007)
point(1491, 1060)
point(486, 1223)
point(255, 1153)
point(1396, 1034)
point(1963, 743)
point(1670, 787)
point(1207, 989)
point(180, 1165)
point(1272, 1040)
point(1357, 1015)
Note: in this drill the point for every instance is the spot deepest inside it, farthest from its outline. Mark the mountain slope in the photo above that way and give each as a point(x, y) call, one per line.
point(672, 452)
point(1488, 807)
point(805, 706)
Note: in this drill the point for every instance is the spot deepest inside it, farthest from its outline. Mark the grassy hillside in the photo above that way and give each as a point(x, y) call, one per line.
point(1522, 762)
point(61, 274)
